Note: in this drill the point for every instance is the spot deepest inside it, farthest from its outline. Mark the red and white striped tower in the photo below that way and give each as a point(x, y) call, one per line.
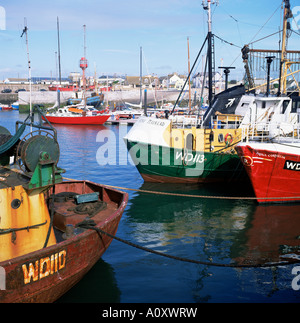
point(83, 63)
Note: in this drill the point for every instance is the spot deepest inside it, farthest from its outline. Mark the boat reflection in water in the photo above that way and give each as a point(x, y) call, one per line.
point(100, 288)
point(221, 230)
point(273, 235)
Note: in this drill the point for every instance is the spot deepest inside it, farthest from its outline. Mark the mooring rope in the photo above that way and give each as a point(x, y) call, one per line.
point(90, 224)
point(202, 196)
point(206, 263)
point(195, 196)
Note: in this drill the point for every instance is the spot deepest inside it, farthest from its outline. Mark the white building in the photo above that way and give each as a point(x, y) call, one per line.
point(217, 79)
point(11, 80)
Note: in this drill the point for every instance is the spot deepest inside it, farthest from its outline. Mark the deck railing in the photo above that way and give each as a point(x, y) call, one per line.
point(275, 132)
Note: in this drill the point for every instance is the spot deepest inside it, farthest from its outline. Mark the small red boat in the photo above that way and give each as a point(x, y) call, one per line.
point(77, 115)
point(6, 108)
point(273, 169)
point(84, 120)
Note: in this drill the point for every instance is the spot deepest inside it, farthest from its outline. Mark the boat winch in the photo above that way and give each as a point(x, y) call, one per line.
point(36, 154)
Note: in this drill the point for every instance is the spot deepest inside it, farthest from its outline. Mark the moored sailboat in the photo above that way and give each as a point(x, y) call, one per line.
point(77, 114)
point(81, 113)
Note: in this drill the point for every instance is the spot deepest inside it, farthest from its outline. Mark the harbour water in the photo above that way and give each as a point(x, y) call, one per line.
point(217, 230)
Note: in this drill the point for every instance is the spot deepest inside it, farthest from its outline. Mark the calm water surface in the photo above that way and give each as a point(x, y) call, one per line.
point(218, 230)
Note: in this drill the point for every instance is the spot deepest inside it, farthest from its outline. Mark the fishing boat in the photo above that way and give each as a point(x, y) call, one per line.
point(201, 149)
point(166, 153)
point(271, 157)
point(77, 114)
point(49, 230)
point(273, 169)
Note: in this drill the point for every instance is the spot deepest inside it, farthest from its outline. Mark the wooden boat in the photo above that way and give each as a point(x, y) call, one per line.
point(45, 246)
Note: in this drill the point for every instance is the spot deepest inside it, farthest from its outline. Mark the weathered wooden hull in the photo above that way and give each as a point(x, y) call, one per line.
point(46, 274)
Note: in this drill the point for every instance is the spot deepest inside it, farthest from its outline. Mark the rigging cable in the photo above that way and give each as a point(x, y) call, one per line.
point(252, 40)
point(206, 38)
point(264, 24)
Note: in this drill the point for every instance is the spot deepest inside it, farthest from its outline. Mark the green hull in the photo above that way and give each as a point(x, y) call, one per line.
point(171, 165)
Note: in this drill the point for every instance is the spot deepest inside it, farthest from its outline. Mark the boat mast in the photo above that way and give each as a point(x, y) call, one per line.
point(210, 55)
point(25, 31)
point(141, 75)
point(58, 45)
point(283, 70)
point(210, 51)
point(59, 67)
point(189, 70)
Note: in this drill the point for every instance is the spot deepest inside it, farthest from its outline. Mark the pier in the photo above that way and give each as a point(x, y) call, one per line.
point(129, 122)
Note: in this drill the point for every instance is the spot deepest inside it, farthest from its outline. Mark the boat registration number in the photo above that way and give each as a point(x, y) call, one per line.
point(44, 267)
point(291, 165)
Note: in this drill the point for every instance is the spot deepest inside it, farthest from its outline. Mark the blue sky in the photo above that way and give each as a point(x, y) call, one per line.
point(116, 29)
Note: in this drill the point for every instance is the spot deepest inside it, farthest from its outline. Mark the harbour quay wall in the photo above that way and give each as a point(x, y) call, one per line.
point(131, 96)
point(43, 97)
point(8, 98)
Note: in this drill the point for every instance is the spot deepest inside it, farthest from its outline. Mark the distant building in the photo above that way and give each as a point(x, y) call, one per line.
point(148, 81)
point(12, 80)
point(110, 80)
point(174, 81)
point(74, 77)
point(198, 80)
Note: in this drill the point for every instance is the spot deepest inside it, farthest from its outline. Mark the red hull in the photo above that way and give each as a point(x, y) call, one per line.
point(274, 170)
point(75, 256)
point(63, 89)
point(84, 120)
